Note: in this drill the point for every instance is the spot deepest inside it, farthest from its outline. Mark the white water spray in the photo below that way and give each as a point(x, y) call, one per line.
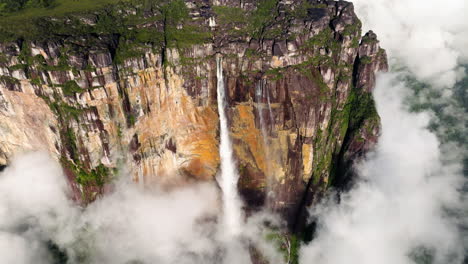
point(259, 95)
point(272, 121)
point(269, 156)
point(228, 177)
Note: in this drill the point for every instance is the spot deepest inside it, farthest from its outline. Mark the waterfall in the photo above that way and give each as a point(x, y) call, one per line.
point(259, 95)
point(228, 178)
point(272, 121)
point(263, 127)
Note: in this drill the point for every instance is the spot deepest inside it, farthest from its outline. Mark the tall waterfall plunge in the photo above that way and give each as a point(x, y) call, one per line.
point(228, 178)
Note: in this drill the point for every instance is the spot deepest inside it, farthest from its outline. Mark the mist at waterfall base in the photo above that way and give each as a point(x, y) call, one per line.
point(128, 226)
point(409, 204)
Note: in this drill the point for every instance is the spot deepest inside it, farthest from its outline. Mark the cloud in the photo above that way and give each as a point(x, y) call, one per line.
point(427, 36)
point(154, 227)
point(33, 199)
point(128, 226)
point(400, 209)
point(408, 205)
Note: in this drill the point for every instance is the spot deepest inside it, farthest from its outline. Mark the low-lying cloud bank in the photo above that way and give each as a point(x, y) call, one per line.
point(430, 37)
point(129, 226)
point(399, 212)
point(409, 204)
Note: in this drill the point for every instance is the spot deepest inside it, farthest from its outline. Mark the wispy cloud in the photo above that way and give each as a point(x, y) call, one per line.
point(130, 225)
point(399, 210)
point(428, 36)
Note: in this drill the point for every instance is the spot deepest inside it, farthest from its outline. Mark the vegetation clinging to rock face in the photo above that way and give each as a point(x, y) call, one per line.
point(84, 17)
point(8, 6)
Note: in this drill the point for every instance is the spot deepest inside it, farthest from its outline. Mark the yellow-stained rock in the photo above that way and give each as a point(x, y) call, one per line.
point(243, 129)
point(307, 160)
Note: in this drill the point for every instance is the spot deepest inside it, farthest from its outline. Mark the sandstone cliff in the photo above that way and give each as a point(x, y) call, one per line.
point(134, 86)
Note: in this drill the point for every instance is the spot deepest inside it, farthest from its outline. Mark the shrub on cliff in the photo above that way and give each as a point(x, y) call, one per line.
point(7, 6)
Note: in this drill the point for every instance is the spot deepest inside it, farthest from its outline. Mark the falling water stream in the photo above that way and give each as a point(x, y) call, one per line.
point(228, 177)
point(269, 156)
point(259, 98)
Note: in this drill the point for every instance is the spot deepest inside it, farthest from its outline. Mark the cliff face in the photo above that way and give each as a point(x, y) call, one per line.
point(298, 77)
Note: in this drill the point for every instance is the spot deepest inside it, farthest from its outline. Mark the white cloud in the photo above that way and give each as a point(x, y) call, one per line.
point(130, 225)
point(428, 36)
point(33, 199)
point(407, 201)
point(401, 202)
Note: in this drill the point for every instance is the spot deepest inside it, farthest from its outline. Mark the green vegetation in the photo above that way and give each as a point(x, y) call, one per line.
point(88, 178)
point(357, 116)
point(3, 59)
point(58, 255)
point(9, 80)
point(228, 15)
point(119, 131)
point(368, 40)
point(288, 245)
point(323, 39)
point(41, 8)
point(353, 29)
point(422, 255)
point(343, 77)
point(274, 74)
point(355, 42)
point(365, 60)
point(73, 20)
point(70, 88)
point(294, 250)
point(94, 177)
point(19, 67)
point(70, 142)
point(242, 169)
point(187, 36)
point(131, 119)
point(126, 51)
point(324, 151)
point(310, 70)
point(301, 11)
point(362, 107)
point(8, 6)
point(36, 81)
point(65, 111)
point(264, 22)
point(448, 126)
point(31, 21)
point(251, 53)
point(258, 24)
point(262, 18)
